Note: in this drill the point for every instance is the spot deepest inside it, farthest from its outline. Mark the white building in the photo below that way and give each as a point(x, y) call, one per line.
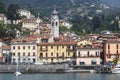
point(31, 23)
point(25, 52)
point(24, 12)
point(3, 19)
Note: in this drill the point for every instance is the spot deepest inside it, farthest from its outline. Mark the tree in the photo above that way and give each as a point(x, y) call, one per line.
point(63, 28)
point(2, 8)
point(77, 29)
point(12, 13)
point(96, 22)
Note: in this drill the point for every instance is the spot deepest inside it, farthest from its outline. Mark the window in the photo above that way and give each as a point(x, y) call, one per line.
point(18, 47)
point(68, 54)
point(88, 53)
point(62, 54)
point(56, 24)
point(68, 47)
point(93, 62)
point(108, 46)
point(51, 54)
point(82, 63)
point(41, 55)
point(57, 47)
point(52, 60)
point(28, 47)
point(24, 54)
point(33, 60)
point(19, 54)
point(13, 54)
point(33, 53)
point(28, 53)
point(33, 47)
point(117, 46)
point(52, 23)
point(78, 54)
point(23, 47)
point(57, 55)
point(13, 47)
point(51, 47)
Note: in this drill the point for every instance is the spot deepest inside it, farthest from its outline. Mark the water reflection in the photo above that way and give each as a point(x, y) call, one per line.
point(61, 76)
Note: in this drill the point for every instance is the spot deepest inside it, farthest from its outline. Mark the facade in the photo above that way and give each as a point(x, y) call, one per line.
point(30, 23)
point(111, 50)
point(87, 54)
point(56, 52)
point(24, 52)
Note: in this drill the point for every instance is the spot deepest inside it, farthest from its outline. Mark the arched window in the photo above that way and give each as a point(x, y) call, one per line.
point(52, 23)
point(41, 55)
point(56, 23)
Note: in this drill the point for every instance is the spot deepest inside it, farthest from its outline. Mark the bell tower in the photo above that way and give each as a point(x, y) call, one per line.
point(55, 24)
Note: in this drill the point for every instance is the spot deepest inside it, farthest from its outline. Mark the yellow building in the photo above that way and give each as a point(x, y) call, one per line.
point(56, 52)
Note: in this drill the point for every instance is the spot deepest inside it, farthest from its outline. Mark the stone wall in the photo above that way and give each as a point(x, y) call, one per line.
point(34, 68)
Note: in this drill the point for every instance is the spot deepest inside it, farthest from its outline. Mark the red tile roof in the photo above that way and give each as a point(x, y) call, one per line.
point(5, 47)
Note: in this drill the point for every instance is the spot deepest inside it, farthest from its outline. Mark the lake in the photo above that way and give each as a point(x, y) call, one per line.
point(61, 76)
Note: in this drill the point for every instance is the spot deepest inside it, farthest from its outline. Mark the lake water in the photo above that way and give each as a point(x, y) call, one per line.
point(61, 76)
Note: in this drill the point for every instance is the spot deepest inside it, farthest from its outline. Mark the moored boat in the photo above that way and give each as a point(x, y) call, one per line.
point(116, 69)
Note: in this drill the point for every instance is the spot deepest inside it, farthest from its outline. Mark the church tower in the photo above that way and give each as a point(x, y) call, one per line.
point(55, 24)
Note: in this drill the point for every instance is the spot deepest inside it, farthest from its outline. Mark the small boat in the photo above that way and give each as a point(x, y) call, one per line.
point(17, 73)
point(116, 69)
point(92, 71)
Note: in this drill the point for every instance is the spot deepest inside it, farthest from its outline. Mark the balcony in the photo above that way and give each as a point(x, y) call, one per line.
point(43, 49)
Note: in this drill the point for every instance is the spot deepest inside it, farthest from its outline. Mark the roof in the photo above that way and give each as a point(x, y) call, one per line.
point(58, 43)
point(6, 47)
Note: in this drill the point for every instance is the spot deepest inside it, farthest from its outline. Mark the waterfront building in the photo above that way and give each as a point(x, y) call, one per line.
point(24, 51)
point(87, 54)
point(56, 52)
point(111, 50)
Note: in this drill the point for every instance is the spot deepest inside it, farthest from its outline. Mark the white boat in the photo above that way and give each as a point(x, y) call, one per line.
point(116, 69)
point(17, 73)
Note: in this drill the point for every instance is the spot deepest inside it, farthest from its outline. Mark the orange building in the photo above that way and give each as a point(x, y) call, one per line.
point(111, 50)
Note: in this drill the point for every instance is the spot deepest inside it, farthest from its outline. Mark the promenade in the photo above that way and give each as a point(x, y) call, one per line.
point(47, 68)
point(33, 68)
